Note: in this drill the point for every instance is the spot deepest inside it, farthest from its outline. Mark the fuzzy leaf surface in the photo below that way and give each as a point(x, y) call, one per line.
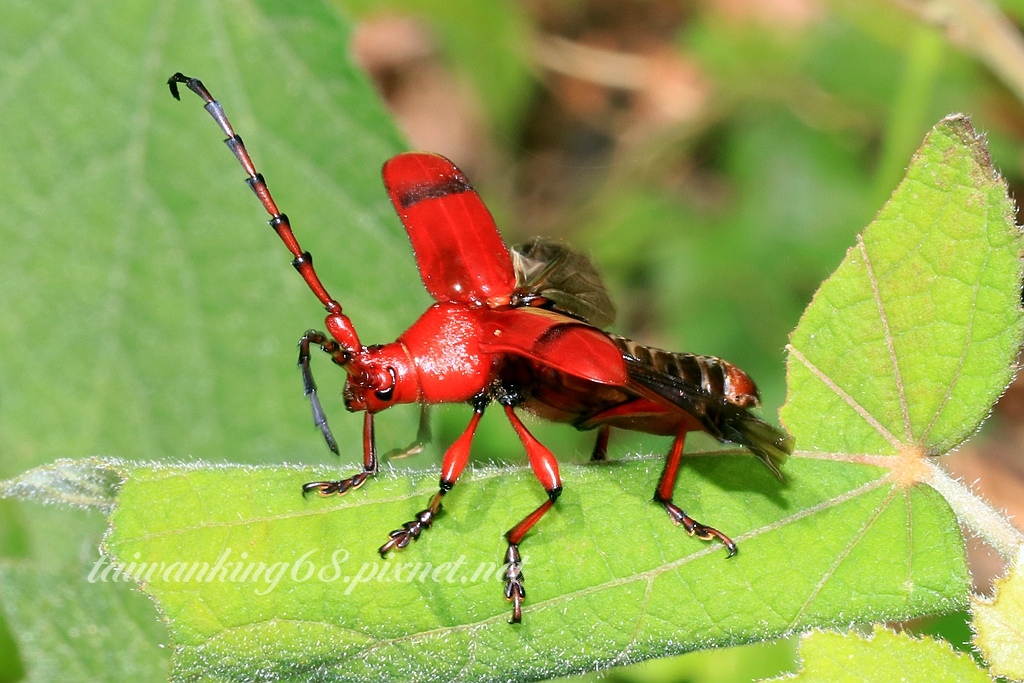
point(884, 656)
point(999, 625)
point(294, 586)
point(909, 343)
point(71, 629)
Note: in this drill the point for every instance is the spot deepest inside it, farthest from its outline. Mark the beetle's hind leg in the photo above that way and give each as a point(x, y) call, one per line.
point(663, 495)
point(600, 452)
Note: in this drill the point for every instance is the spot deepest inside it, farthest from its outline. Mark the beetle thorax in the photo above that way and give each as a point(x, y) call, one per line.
point(444, 345)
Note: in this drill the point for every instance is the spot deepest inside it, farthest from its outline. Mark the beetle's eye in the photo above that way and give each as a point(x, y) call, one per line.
point(386, 394)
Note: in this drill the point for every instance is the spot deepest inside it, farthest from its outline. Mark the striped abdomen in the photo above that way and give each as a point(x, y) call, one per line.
point(714, 376)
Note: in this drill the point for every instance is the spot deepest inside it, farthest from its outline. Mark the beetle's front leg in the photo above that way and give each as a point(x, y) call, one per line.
point(455, 459)
point(370, 467)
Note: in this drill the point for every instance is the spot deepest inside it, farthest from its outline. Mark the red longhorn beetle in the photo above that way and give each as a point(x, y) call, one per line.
point(519, 328)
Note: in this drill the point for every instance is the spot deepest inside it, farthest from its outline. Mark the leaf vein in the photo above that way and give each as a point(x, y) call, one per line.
point(968, 340)
point(830, 572)
point(847, 398)
point(648, 575)
point(887, 334)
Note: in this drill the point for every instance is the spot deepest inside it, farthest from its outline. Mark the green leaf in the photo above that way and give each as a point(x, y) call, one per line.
point(999, 624)
point(905, 348)
point(884, 656)
point(909, 343)
point(68, 482)
point(610, 579)
point(167, 269)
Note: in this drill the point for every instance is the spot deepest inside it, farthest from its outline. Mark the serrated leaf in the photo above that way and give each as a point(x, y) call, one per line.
point(905, 348)
point(883, 657)
point(610, 579)
point(999, 624)
point(909, 343)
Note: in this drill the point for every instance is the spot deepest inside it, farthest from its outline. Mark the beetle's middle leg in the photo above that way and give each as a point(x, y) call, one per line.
point(545, 467)
point(423, 437)
point(455, 459)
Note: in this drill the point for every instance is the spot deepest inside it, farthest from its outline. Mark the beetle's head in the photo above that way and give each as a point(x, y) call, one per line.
point(380, 377)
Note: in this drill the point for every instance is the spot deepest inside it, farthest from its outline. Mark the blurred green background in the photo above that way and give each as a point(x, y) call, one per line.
point(715, 158)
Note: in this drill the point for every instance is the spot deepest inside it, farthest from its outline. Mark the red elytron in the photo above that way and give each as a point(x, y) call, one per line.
point(519, 328)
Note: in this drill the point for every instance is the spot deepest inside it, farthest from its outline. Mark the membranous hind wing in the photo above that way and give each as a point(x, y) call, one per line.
point(551, 271)
point(714, 392)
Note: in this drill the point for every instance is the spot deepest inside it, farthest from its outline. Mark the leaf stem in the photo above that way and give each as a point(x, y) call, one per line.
point(985, 522)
